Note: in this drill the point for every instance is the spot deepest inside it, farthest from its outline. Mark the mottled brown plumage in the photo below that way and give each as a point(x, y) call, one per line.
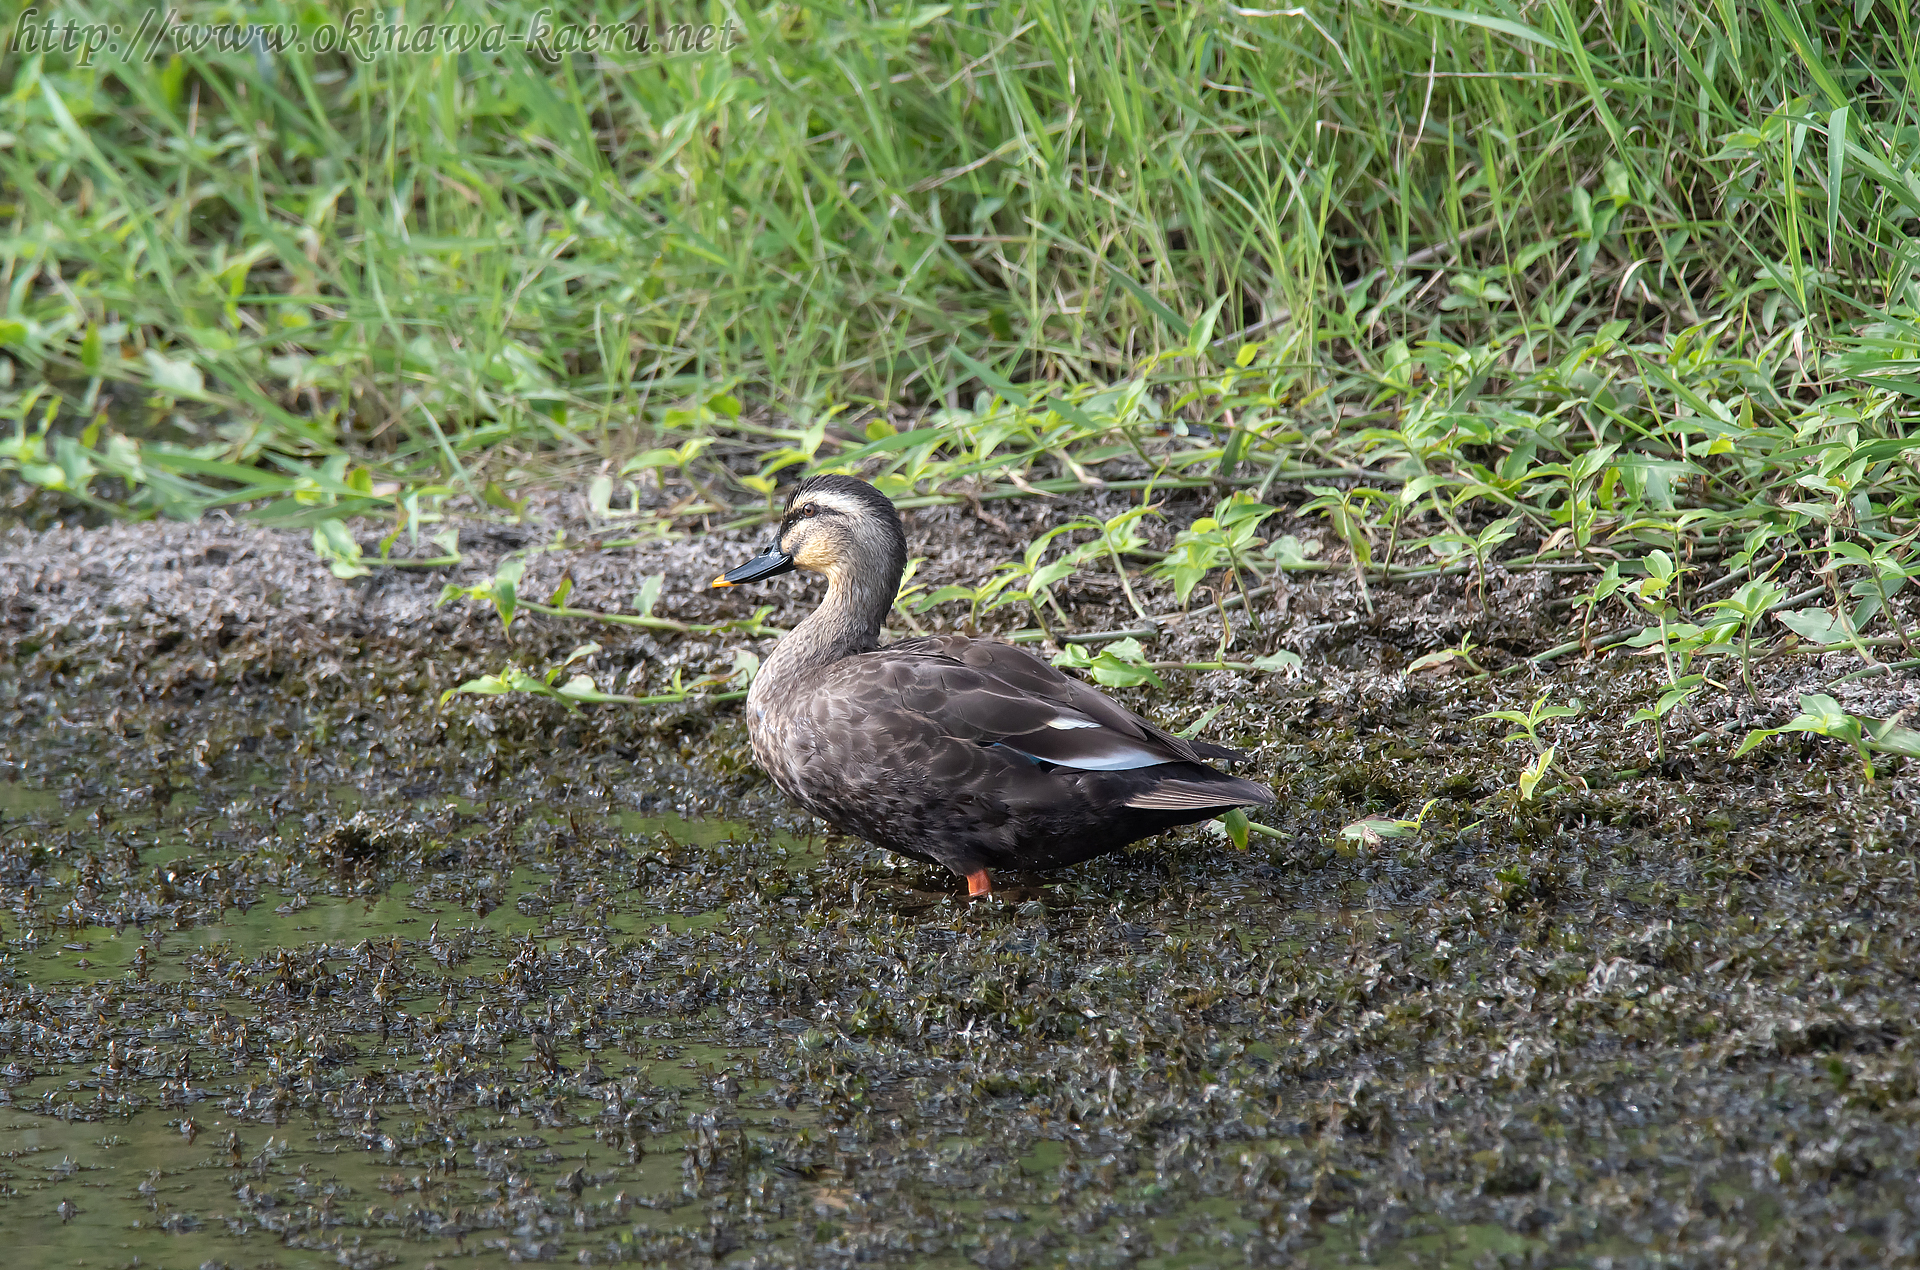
point(969, 753)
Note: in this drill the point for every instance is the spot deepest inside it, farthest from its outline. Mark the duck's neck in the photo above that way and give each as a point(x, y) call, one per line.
point(848, 621)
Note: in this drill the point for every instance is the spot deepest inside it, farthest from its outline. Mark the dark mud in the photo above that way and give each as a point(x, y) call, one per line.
point(301, 970)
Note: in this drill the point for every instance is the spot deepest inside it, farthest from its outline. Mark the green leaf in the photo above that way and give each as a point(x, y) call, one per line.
point(1203, 329)
point(1102, 668)
point(504, 590)
point(1836, 171)
point(179, 378)
point(1288, 552)
point(649, 594)
point(581, 688)
point(1883, 448)
point(1413, 490)
point(1683, 688)
point(1505, 26)
point(1888, 735)
point(1048, 574)
point(1821, 715)
point(1675, 634)
point(1534, 773)
point(1816, 626)
point(495, 496)
point(1825, 712)
point(335, 544)
point(945, 594)
point(600, 497)
point(1181, 328)
point(1752, 599)
point(1118, 665)
point(1005, 388)
point(1369, 832)
point(1193, 729)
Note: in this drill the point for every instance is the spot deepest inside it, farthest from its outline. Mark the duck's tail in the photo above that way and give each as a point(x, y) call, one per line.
point(1180, 793)
point(1218, 753)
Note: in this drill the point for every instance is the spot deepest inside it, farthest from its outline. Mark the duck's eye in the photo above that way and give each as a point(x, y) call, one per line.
point(810, 511)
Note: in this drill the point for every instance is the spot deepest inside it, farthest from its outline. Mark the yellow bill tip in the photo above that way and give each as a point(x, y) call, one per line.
point(721, 581)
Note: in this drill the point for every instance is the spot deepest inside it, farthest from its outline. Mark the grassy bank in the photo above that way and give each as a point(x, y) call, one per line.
point(418, 258)
point(1625, 287)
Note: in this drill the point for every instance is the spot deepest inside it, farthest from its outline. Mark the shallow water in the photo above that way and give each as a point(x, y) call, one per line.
point(349, 982)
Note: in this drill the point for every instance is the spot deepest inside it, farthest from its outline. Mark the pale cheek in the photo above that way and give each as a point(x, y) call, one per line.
point(814, 556)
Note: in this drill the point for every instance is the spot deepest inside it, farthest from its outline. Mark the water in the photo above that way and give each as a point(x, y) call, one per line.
point(346, 982)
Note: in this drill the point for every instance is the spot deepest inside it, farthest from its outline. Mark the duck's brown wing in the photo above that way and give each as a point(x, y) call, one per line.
point(989, 693)
point(979, 755)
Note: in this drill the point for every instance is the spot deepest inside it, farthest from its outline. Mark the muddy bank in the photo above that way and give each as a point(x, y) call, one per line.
point(155, 608)
point(300, 970)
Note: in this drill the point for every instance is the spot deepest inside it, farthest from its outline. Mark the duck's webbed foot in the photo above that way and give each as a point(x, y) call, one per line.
point(978, 884)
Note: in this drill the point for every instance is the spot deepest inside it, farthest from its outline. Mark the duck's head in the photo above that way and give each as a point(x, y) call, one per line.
point(837, 525)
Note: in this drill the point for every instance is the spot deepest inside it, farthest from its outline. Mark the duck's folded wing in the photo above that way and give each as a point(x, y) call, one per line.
point(1174, 794)
point(996, 694)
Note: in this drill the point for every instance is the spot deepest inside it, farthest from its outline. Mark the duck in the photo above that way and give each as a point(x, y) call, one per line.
point(972, 754)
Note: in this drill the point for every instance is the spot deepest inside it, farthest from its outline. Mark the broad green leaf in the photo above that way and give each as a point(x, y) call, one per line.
point(335, 544)
point(1816, 626)
point(649, 594)
point(177, 377)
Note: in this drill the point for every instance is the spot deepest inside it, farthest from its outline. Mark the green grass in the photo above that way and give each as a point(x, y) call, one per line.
point(1607, 279)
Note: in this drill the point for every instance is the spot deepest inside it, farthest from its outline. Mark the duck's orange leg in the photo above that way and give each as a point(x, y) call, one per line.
point(978, 884)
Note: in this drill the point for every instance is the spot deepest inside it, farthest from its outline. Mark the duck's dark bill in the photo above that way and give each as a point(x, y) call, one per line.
point(770, 563)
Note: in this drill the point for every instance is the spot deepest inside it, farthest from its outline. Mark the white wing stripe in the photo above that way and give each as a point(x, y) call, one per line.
point(1112, 758)
point(1122, 762)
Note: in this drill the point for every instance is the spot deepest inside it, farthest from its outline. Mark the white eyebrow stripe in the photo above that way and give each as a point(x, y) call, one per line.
point(838, 502)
